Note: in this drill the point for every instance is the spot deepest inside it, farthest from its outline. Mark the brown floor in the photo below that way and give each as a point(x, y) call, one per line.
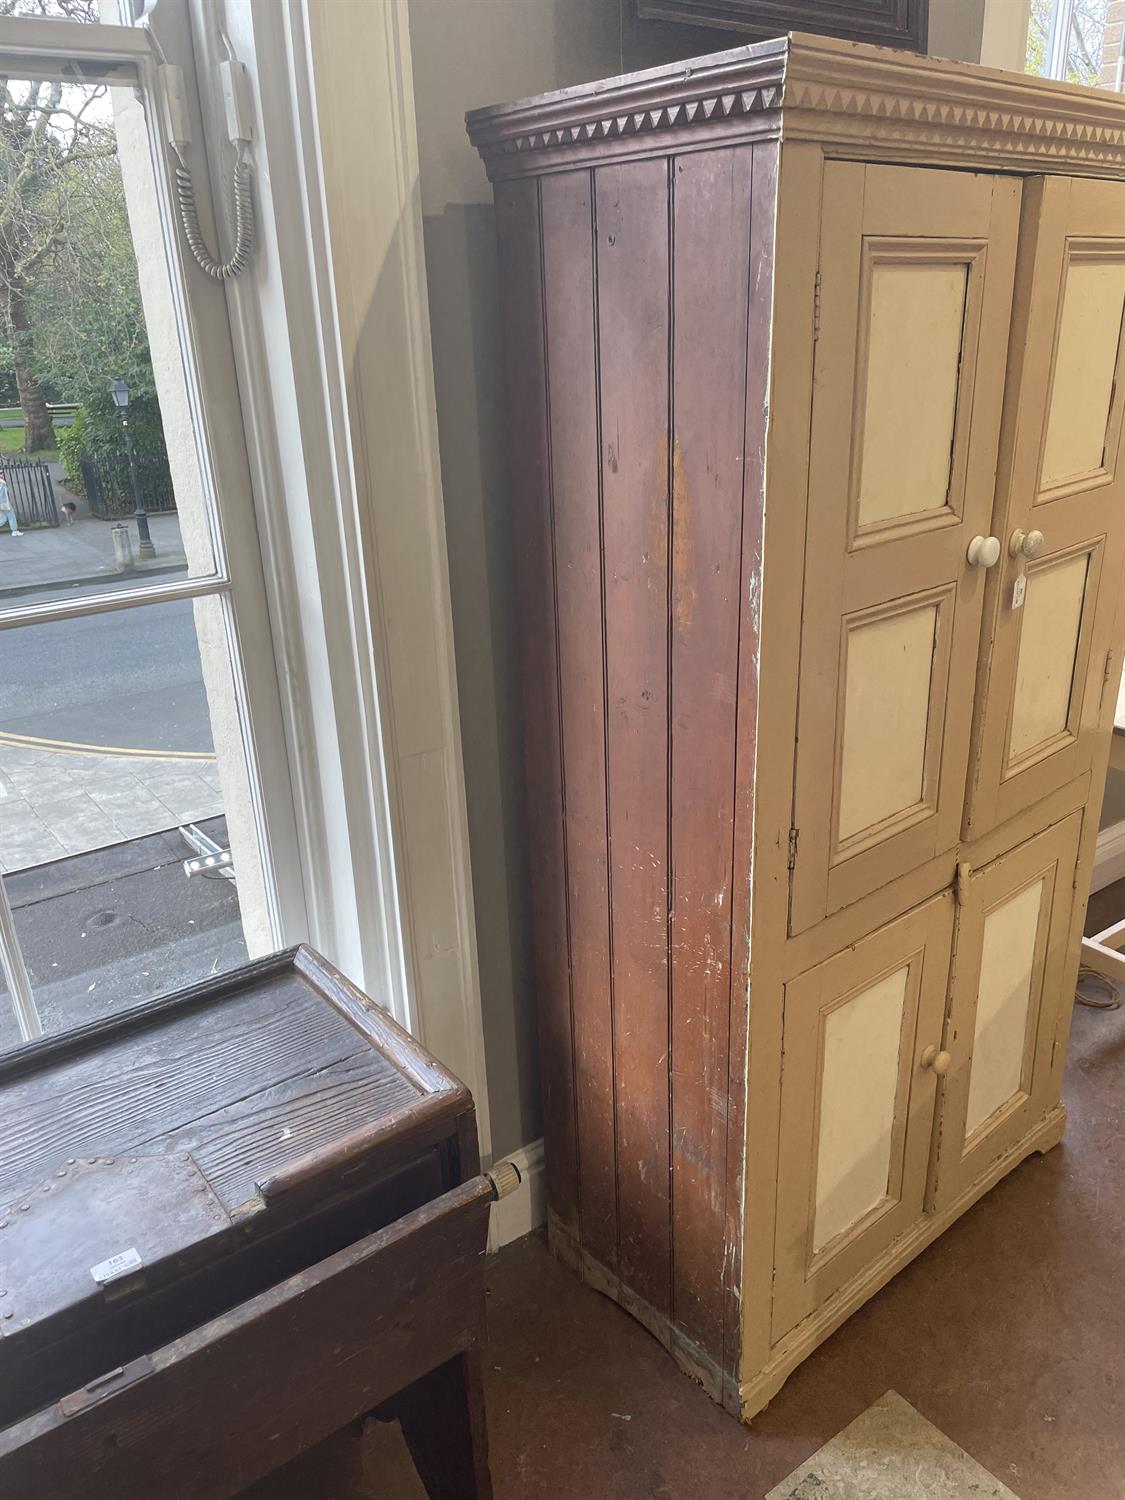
point(1008, 1333)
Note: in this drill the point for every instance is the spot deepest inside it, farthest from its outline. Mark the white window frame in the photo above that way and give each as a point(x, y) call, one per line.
point(349, 665)
point(332, 339)
point(123, 55)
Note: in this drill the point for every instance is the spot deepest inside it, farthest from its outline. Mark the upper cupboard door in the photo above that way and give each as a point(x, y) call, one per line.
point(1061, 492)
point(916, 272)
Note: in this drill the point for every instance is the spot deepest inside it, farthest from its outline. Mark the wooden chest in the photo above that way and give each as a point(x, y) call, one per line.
point(815, 403)
point(162, 1166)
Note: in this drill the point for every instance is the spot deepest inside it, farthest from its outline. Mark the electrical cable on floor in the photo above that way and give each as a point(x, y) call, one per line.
point(1109, 1000)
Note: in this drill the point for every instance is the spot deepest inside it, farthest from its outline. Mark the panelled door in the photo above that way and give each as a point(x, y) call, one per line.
point(916, 272)
point(1061, 494)
point(1010, 977)
point(857, 1104)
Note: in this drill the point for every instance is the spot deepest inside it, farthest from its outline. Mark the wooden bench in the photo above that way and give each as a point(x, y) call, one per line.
point(232, 1223)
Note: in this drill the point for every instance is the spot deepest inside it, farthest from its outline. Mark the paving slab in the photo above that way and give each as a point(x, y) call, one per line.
point(56, 802)
point(48, 559)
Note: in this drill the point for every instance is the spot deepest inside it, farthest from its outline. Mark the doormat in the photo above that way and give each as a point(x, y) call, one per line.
point(890, 1452)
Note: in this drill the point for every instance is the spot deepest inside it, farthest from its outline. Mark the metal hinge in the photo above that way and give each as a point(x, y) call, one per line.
point(794, 835)
point(1108, 673)
point(816, 309)
point(961, 883)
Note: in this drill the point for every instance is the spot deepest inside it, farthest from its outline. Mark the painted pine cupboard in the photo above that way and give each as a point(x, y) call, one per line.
point(815, 402)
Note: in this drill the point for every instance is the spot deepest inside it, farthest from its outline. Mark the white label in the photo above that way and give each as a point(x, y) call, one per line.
point(116, 1266)
point(1019, 589)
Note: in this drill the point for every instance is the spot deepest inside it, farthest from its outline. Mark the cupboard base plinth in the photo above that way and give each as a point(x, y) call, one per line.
point(758, 1391)
point(693, 1360)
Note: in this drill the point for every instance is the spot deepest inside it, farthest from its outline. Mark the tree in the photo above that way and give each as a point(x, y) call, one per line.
point(87, 312)
point(50, 134)
point(1083, 44)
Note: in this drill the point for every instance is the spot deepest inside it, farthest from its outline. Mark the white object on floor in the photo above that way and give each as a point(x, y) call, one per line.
point(891, 1452)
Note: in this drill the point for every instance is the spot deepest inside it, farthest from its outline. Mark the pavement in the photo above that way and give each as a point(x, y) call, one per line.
point(45, 562)
point(105, 752)
point(113, 928)
point(82, 701)
point(54, 802)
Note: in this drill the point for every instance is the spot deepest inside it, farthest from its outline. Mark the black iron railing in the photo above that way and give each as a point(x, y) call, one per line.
point(109, 484)
point(31, 491)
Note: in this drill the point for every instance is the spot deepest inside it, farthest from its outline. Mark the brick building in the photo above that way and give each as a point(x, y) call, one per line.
point(1112, 45)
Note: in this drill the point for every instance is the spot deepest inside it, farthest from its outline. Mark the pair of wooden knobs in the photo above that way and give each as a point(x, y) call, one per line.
point(938, 1061)
point(984, 551)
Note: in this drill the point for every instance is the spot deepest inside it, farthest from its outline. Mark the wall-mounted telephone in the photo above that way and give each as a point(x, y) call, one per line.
point(236, 102)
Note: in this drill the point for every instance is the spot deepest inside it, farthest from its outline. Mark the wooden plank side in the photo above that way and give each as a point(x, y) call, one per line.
point(569, 306)
point(759, 323)
point(711, 267)
point(214, 1411)
point(518, 232)
point(633, 273)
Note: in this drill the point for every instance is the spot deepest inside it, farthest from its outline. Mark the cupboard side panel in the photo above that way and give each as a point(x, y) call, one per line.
point(518, 233)
point(568, 290)
point(710, 281)
point(633, 317)
point(759, 321)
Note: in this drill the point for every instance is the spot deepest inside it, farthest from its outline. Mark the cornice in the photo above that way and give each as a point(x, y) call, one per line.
point(875, 102)
point(854, 99)
point(746, 81)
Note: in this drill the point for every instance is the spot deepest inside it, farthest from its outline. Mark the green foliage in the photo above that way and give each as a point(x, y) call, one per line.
point(1084, 43)
point(70, 304)
point(96, 429)
point(72, 442)
point(86, 308)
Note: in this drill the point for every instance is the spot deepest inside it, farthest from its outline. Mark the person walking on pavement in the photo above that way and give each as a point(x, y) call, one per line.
point(8, 515)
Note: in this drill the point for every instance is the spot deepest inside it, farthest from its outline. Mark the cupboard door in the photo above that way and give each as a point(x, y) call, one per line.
point(1013, 973)
point(915, 295)
point(1061, 490)
point(857, 1106)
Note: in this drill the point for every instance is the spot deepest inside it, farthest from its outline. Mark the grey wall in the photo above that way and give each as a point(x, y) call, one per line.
point(468, 53)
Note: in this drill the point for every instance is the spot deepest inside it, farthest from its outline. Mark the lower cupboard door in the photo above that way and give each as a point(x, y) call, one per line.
point(1013, 981)
point(857, 1105)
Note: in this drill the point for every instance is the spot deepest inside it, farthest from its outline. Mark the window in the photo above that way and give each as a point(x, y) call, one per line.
point(140, 724)
point(1079, 41)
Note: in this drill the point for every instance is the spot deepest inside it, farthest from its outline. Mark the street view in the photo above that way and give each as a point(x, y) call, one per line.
point(106, 751)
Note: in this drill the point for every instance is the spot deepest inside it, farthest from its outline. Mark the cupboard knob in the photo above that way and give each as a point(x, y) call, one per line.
point(984, 551)
point(1025, 543)
point(939, 1061)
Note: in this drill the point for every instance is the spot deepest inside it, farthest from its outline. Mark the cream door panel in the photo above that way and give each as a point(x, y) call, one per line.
point(1081, 399)
point(857, 1106)
point(914, 313)
point(883, 776)
point(1013, 978)
point(1011, 950)
point(1041, 701)
point(862, 1038)
point(1050, 629)
point(916, 282)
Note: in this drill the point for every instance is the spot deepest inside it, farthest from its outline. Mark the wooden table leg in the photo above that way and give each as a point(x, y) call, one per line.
point(443, 1422)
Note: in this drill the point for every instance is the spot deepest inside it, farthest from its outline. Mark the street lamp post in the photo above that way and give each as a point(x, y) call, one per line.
point(120, 393)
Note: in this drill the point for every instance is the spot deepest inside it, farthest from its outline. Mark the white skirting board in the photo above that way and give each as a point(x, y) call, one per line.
point(526, 1208)
point(1109, 860)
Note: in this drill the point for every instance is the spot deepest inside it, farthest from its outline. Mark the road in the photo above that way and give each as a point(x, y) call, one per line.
point(126, 680)
point(122, 924)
